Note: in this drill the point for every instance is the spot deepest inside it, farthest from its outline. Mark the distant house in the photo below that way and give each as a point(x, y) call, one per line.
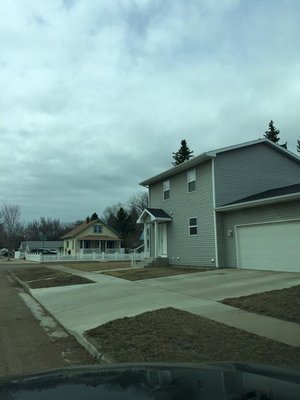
point(237, 206)
point(91, 236)
point(37, 246)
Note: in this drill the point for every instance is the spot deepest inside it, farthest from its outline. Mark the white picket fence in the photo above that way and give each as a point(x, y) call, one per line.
point(133, 257)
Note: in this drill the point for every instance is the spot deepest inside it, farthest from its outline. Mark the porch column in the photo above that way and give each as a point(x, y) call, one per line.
point(145, 239)
point(155, 239)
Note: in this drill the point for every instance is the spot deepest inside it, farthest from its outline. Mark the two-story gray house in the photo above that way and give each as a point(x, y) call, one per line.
point(237, 206)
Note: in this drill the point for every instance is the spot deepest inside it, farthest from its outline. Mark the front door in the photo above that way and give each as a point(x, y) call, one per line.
point(162, 240)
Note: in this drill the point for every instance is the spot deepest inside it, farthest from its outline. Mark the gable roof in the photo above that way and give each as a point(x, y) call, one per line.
point(78, 229)
point(291, 192)
point(212, 154)
point(156, 214)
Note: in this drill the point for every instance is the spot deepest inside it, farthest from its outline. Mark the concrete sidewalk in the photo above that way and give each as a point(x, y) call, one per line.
point(83, 307)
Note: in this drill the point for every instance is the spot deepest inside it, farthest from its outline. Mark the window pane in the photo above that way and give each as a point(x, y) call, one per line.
point(191, 175)
point(193, 221)
point(166, 185)
point(193, 230)
point(166, 194)
point(192, 186)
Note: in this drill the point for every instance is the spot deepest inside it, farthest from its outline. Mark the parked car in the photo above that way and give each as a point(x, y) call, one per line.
point(4, 253)
point(47, 252)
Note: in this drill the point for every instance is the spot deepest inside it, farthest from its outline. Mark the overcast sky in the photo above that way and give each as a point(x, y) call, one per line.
point(96, 95)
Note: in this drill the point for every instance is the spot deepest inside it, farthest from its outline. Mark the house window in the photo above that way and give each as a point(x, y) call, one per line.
point(193, 227)
point(97, 228)
point(67, 243)
point(166, 190)
point(191, 180)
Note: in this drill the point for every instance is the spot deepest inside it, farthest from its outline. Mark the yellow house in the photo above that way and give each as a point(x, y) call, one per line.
point(91, 236)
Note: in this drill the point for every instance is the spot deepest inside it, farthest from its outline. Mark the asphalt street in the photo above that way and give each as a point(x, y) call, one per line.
point(25, 346)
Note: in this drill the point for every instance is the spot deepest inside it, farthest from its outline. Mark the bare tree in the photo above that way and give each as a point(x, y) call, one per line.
point(139, 202)
point(10, 218)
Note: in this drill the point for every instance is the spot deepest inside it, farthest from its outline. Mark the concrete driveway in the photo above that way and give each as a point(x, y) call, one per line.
point(84, 307)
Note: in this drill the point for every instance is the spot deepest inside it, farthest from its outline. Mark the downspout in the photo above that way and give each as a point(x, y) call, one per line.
point(214, 212)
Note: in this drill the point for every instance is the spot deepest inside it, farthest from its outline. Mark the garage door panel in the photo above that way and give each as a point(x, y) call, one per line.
point(271, 246)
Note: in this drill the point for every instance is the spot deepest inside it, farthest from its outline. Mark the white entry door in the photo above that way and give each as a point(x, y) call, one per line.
point(162, 240)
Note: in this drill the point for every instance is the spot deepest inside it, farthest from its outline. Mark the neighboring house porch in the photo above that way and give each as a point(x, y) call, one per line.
point(92, 236)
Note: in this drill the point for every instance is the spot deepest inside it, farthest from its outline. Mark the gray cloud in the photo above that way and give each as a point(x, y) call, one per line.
point(97, 95)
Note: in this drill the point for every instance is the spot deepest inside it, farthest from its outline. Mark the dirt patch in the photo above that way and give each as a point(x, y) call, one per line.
point(97, 266)
point(170, 335)
point(46, 277)
point(282, 304)
point(153, 272)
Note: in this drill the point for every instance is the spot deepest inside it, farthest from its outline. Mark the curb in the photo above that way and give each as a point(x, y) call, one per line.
point(81, 339)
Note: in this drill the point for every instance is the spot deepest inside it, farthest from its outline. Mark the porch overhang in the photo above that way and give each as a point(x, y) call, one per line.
point(155, 215)
point(100, 238)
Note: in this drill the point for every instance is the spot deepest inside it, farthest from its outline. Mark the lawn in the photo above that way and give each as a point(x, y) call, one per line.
point(46, 277)
point(281, 304)
point(136, 274)
point(97, 266)
point(170, 335)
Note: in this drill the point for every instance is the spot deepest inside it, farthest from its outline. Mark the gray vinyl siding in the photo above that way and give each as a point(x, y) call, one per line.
point(191, 250)
point(274, 212)
point(246, 171)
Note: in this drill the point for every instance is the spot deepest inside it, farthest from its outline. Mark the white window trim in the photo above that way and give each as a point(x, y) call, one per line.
point(193, 226)
point(188, 180)
point(97, 230)
point(166, 189)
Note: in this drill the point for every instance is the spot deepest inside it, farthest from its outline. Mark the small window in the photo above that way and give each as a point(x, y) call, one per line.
point(191, 180)
point(97, 229)
point(166, 190)
point(193, 227)
point(67, 243)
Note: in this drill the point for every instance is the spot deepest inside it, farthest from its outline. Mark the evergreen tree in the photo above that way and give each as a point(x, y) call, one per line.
point(94, 216)
point(298, 145)
point(183, 154)
point(272, 133)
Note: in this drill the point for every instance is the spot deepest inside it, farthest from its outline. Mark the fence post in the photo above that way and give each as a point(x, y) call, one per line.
point(94, 256)
point(102, 255)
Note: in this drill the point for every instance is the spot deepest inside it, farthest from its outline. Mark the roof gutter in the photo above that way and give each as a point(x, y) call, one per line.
point(260, 202)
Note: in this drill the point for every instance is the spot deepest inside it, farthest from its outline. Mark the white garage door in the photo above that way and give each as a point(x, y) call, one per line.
point(271, 246)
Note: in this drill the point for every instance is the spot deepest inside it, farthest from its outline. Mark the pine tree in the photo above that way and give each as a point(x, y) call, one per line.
point(183, 154)
point(298, 145)
point(272, 133)
point(94, 216)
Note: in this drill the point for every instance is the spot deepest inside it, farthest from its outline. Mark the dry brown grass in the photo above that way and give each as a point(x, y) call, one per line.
point(170, 335)
point(97, 266)
point(46, 277)
point(282, 304)
point(136, 274)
